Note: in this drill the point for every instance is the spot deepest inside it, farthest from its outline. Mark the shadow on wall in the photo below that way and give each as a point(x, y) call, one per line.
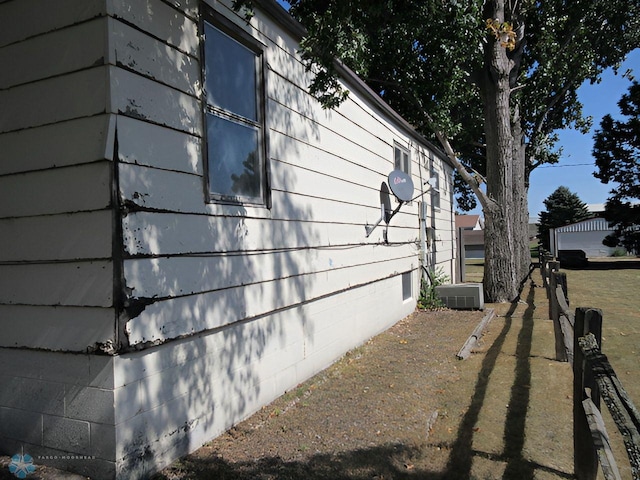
point(213, 309)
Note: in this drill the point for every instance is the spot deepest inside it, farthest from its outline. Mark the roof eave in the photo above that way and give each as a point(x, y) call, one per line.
point(295, 28)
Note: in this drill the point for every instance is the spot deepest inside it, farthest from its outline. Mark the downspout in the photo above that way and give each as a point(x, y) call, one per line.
point(422, 215)
point(432, 208)
point(454, 241)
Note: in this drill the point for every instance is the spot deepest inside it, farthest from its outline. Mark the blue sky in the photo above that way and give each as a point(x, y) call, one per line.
point(576, 167)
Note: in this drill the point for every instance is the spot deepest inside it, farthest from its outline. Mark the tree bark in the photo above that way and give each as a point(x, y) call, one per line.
point(501, 270)
point(520, 202)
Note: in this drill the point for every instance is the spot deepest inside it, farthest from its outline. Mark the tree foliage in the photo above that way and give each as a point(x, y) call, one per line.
point(563, 207)
point(617, 153)
point(490, 80)
point(427, 56)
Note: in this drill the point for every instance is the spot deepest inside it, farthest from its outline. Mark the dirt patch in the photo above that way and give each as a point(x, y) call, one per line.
point(403, 406)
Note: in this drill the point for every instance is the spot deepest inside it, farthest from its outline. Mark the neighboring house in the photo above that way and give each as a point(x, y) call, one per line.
point(470, 222)
point(172, 260)
point(586, 236)
point(471, 231)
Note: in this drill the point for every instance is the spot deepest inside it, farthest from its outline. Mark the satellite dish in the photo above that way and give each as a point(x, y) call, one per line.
point(401, 185)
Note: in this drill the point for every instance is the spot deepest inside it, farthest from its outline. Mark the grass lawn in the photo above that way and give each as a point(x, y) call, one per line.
point(612, 285)
point(473, 270)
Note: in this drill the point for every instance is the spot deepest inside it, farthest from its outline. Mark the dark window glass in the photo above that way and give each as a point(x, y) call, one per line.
point(235, 151)
point(230, 74)
point(401, 159)
point(234, 166)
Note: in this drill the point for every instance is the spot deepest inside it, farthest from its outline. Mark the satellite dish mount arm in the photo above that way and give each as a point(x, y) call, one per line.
point(370, 228)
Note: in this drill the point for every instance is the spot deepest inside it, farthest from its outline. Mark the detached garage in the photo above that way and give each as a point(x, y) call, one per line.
point(586, 235)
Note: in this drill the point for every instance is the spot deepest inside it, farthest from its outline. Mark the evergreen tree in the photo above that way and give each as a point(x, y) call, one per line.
point(563, 208)
point(617, 153)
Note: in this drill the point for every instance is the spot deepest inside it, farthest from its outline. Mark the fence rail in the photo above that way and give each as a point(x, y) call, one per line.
point(578, 336)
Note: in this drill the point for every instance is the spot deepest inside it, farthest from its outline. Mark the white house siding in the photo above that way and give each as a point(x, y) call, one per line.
point(225, 307)
point(56, 232)
point(586, 235)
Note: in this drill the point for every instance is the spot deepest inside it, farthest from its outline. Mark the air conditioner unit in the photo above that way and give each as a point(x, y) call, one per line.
point(462, 296)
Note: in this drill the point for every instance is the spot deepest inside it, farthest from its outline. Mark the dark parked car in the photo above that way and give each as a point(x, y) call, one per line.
point(572, 258)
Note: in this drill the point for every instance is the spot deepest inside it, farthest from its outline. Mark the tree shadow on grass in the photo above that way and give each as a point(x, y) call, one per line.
point(462, 454)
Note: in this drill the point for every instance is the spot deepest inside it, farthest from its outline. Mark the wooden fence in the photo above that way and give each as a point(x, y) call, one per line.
point(578, 337)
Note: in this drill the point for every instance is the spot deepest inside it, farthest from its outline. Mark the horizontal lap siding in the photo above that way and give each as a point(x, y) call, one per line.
point(326, 171)
point(161, 20)
point(59, 190)
point(132, 49)
point(26, 18)
point(146, 144)
point(193, 313)
point(73, 142)
point(148, 233)
point(63, 237)
point(40, 57)
point(195, 381)
point(254, 300)
point(74, 95)
point(90, 326)
point(326, 168)
point(56, 139)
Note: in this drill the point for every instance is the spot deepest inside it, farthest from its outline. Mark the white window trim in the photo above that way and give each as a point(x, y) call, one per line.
point(407, 151)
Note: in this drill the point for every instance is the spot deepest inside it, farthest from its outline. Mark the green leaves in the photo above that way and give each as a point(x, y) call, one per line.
point(617, 152)
point(568, 43)
point(412, 53)
point(427, 55)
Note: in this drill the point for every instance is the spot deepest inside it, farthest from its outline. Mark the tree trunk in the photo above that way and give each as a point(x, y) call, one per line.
point(501, 263)
point(520, 191)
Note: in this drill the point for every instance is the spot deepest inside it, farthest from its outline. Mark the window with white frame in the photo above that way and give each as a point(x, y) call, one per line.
point(401, 159)
point(234, 114)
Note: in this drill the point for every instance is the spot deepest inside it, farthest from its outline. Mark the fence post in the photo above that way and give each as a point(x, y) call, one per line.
point(554, 314)
point(552, 266)
point(585, 456)
point(553, 300)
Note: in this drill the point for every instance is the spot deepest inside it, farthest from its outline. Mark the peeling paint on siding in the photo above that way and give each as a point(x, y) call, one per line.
point(132, 110)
